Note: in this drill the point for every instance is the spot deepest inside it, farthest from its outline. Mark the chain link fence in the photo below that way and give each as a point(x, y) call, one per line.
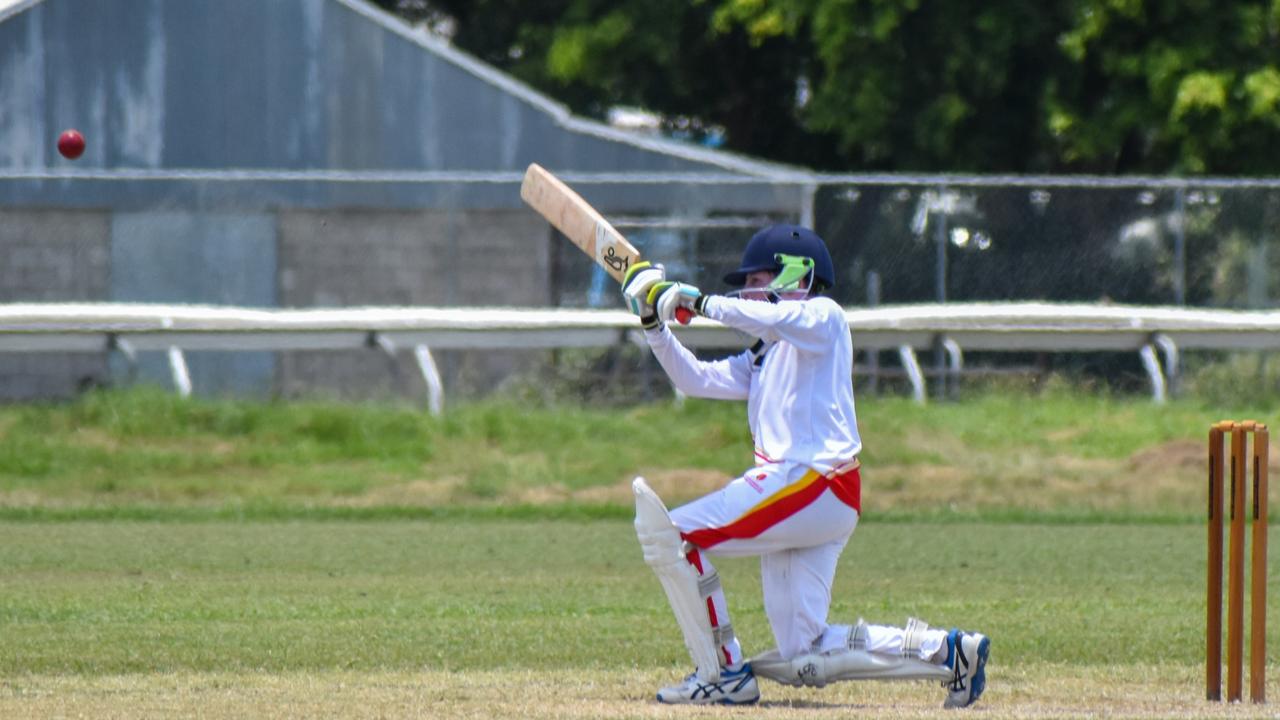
point(342, 239)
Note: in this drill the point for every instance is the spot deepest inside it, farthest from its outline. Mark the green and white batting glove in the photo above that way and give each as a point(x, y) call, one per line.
point(636, 284)
point(667, 299)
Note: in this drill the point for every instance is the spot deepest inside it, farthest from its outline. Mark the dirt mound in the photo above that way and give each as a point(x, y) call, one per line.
point(1173, 457)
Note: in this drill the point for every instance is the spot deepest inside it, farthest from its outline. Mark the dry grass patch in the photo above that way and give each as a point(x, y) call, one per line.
point(102, 439)
point(21, 498)
point(1164, 478)
point(415, 493)
point(673, 486)
point(1041, 691)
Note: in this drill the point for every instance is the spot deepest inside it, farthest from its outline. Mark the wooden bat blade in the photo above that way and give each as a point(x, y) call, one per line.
point(573, 216)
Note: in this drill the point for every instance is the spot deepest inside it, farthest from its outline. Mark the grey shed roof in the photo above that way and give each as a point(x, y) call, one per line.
point(292, 85)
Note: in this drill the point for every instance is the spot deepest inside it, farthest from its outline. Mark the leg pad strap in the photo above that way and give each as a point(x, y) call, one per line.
point(913, 638)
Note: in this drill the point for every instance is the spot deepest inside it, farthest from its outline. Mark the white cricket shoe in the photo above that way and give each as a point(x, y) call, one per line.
point(733, 688)
point(968, 660)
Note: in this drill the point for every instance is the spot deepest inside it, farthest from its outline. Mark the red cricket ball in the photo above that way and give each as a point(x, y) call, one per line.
point(71, 144)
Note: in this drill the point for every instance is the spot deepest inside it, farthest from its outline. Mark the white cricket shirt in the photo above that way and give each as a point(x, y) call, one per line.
point(799, 396)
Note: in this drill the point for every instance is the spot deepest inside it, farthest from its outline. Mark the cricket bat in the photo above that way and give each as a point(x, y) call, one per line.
point(582, 224)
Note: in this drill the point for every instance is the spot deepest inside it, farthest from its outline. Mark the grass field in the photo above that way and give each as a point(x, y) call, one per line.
point(169, 559)
point(559, 618)
point(1057, 453)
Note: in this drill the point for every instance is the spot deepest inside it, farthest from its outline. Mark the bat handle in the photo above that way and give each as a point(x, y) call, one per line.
point(684, 315)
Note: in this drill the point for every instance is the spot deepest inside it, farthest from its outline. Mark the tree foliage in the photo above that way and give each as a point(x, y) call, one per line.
point(1105, 86)
point(1169, 85)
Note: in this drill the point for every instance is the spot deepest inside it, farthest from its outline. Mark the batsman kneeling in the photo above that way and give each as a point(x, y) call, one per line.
point(798, 506)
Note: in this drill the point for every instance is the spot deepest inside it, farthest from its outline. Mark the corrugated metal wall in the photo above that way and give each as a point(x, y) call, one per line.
point(280, 84)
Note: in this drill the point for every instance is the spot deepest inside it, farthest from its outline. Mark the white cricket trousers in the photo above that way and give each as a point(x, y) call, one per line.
point(798, 521)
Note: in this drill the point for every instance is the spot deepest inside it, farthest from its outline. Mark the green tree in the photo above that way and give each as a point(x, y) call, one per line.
point(913, 85)
point(1105, 86)
point(1187, 86)
point(660, 55)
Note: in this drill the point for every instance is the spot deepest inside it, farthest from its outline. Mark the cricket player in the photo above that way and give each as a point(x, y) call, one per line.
point(797, 507)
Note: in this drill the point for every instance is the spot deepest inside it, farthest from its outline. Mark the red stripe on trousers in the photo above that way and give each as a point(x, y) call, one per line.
point(847, 487)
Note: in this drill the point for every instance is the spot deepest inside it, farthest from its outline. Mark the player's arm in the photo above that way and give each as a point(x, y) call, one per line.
point(645, 291)
point(724, 379)
point(808, 325)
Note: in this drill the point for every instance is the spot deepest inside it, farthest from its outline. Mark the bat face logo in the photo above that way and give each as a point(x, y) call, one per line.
point(607, 252)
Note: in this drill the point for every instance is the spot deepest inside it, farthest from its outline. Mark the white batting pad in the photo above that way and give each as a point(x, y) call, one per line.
point(664, 552)
point(818, 669)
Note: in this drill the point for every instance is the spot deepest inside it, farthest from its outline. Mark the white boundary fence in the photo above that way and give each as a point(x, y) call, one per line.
point(1156, 333)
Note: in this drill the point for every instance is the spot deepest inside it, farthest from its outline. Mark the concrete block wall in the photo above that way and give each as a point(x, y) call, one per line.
point(52, 255)
point(344, 258)
point(335, 258)
point(324, 258)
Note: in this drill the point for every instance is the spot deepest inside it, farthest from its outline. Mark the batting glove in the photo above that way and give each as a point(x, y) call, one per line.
point(668, 297)
point(636, 284)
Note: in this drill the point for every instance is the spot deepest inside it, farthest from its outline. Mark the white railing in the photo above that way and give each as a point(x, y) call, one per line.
point(951, 328)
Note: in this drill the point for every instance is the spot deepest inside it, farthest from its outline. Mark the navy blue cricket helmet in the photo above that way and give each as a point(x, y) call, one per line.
point(765, 245)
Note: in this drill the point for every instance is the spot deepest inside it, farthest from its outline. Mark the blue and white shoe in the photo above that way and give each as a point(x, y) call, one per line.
point(967, 656)
point(733, 688)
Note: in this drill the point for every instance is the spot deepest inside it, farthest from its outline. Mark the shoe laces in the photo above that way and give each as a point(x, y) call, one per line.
point(956, 684)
